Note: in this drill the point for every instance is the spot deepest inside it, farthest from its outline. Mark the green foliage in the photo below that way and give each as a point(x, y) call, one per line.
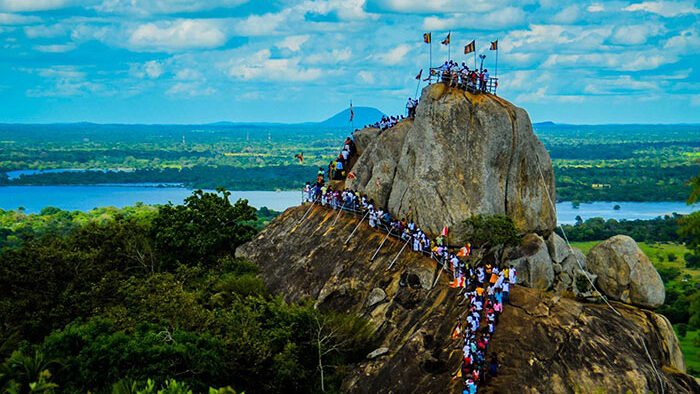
point(206, 227)
point(489, 230)
point(660, 229)
point(121, 299)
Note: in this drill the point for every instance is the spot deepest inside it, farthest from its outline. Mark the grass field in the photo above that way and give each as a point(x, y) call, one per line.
point(691, 352)
point(659, 253)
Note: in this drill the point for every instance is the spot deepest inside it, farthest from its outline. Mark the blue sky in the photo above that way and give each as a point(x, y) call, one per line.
point(196, 61)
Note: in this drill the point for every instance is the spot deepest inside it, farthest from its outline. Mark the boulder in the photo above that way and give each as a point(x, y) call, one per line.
point(558, 249)
point(535, 269)
point(376, 296)
point(378, 352)
point(376, 166)
point(363, 138)
point(625, 273)
point(463, 154)
point(561, 342)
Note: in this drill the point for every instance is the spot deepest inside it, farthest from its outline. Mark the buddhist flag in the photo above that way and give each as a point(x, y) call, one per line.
point(420, 74)
point(427, 38)
point(446, 41)
point(445, 231)
point(469, 48)
point(494, 46)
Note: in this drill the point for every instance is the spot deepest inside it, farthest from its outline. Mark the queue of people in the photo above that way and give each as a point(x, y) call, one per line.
point(484, 284)
point(460, 76)
point(386, 122)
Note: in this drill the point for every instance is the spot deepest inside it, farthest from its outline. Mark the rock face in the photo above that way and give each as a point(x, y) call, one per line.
point(463, 154)
point(625, 272)
point(376, 166)
point(535, 269)
point(545, 343)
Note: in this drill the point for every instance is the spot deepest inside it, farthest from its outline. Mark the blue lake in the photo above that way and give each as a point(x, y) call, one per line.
point(34, 198)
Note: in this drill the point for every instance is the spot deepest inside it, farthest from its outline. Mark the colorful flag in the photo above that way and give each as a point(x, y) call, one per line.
point(427, 38)
point(420, 74)
point(494, 46)
point(446, 41)
point(469, 48)
point(300, 157)
point(352, 112)
point(445, 231)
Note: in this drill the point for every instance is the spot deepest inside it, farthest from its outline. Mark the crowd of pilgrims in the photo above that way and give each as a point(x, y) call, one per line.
point(386, 122)
point(460, 76)
point(484, 285)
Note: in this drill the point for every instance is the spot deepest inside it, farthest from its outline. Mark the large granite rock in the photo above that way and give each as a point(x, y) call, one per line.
point(545, 343)
point(625, 272)
point(535, 268)
point(376, 166)
point(463, 154)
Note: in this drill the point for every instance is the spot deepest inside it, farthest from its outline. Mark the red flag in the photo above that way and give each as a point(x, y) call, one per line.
point(494, 46)
point(420, 74)
point(469, 48)
point(427, 38)
point(445, 231)
point(446, 41)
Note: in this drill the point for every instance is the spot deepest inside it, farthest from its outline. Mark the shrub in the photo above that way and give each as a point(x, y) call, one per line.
point(489, 230)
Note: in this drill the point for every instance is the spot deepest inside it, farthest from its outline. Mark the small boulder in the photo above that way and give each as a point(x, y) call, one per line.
point(378, 352)
point(625, 273)
point(558, 249)
point(376, 296)
point(536, 269)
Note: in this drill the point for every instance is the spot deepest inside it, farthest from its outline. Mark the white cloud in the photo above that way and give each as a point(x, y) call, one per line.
point(15, 19)
point(500, 19)
point(55, 48)
point(566, 16)
point(635, 34)
point(333, 56)
point(34, 5)
point(293, 43)
point(595, 7)
point(618, 85)
point(394, 56)
point(146, 7)
point(44, 31)
point(366, 77)
point(262, 25)
point(178, 35)
point(686, 40)
point(262, 67)
point(63, 81)
point(442, 6)
point(153, 69)
point(190, 89)
point(668, 9)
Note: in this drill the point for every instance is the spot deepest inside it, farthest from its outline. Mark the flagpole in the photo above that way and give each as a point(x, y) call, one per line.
point(449, 46)
point(430, 70)
point(417, 86)
point(497, 59)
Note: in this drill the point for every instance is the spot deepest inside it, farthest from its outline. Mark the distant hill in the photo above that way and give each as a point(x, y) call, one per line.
point(544, 124)
point(363, 116)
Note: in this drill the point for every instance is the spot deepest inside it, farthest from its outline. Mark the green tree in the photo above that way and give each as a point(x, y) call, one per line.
point(489, 230)
point(206, 227)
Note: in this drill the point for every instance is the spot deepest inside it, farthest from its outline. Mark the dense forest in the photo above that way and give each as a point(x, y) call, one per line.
point(148, 300)
point(591, 163)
